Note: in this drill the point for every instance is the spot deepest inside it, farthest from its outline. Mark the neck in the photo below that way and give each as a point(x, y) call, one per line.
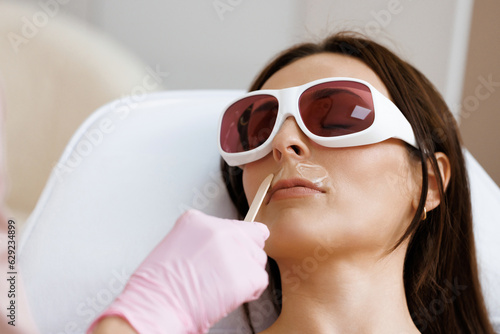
point(361, 294)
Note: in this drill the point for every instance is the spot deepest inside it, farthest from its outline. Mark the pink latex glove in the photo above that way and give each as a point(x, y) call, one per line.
point(202, 270)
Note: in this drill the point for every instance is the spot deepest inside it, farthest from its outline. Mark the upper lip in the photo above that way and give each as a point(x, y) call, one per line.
point(290, 183)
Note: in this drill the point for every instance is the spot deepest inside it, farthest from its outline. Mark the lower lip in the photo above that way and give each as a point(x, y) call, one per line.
point(293, 192)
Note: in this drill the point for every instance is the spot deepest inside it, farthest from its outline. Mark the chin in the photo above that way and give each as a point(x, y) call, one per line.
point(296, 238)
point(297, 210)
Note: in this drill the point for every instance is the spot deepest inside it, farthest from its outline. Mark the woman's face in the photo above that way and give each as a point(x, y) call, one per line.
point(347, 199)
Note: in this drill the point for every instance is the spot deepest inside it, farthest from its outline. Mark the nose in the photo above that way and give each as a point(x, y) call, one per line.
point(290, 142)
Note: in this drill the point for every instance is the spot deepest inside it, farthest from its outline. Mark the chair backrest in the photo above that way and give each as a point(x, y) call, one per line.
point(124, 178)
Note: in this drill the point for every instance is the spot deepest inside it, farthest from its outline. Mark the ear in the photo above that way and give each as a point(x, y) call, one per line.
point(433, 198)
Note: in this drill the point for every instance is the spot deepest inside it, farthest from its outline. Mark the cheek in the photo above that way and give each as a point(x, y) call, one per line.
point(376, 192)
point(246, 184)
point(251, 177)
point(382, 176)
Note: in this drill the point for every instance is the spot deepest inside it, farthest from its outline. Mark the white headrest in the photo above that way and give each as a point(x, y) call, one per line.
point(123, 180)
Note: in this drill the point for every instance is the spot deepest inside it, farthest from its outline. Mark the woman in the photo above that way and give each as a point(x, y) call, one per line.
point(370, 221)
point(433, 259)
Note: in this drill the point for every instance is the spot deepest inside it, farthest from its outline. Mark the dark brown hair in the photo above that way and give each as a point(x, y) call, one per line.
point(440, 270)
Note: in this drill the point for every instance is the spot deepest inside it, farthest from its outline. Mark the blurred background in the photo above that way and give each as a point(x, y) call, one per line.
point(62, 59)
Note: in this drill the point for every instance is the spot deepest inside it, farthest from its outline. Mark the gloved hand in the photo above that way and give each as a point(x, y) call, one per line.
point(202, 270)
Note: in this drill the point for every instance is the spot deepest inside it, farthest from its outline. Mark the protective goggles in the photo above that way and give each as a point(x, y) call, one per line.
point(333, 112)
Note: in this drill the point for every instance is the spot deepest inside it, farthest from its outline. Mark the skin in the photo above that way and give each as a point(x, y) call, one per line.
point(333, 244)
point(111, 325)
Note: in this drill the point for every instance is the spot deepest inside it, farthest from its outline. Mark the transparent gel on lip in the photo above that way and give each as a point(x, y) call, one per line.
point(311, 172)
point(314, 173)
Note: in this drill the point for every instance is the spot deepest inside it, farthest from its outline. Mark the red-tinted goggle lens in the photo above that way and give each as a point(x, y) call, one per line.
point(328, 109)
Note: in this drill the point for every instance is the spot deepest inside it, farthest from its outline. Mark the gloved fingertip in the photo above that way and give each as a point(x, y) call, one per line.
point(256, 295)
point(264, 229)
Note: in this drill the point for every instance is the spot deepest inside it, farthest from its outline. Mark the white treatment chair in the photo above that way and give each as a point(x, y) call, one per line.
point(125, 177)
